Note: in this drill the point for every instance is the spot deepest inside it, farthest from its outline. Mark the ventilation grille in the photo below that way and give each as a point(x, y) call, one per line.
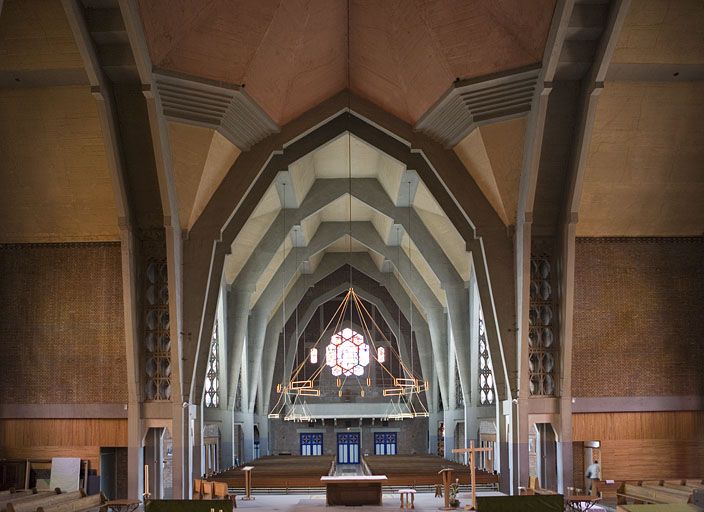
point(471, 103)
point(224, 107)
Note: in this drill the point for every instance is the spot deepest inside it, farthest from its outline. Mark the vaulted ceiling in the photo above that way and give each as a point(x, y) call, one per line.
point(379, 185)
point(643, 175)
point(403, 54)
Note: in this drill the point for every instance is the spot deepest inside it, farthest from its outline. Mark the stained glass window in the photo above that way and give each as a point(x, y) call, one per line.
point(314, 355)
point(381, 354)
point(311, 444)
point(486, 379)
point(347, 354)
point(212, 399)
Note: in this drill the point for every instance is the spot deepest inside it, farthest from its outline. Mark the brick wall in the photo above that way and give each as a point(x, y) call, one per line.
point(62, 329)
point(638, 326)
point(412, 435)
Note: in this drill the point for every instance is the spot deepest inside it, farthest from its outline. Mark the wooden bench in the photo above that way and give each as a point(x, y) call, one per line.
point(89, 503)
point(40, 500)
point(649, 494)
point(279, 472)
point(197, 489)
point(416, 470)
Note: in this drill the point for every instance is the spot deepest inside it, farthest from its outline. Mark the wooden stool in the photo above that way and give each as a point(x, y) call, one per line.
point(404, 494)
point(438, 491)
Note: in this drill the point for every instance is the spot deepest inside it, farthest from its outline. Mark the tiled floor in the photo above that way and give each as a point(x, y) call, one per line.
point(302, 503)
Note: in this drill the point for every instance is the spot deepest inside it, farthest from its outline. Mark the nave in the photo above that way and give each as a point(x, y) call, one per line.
point(352, 249)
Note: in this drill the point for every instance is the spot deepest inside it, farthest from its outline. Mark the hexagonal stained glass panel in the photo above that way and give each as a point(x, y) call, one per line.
point(347, 354)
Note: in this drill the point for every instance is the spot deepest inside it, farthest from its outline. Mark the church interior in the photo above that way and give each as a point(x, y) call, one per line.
point(392, 254)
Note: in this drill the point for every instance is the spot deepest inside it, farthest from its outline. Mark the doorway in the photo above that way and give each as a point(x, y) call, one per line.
point(385, 443)
point(348, 448)
point(546, 455)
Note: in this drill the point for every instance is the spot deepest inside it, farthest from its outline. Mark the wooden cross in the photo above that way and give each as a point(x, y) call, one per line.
point(472, 450)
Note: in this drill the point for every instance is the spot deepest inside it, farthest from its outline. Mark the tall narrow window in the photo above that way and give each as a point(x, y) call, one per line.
point(212, 399)
point(311, 444)
point(543, 345)
point(157, 338)
point(486, 379)
point(385, 443)
point(381, 354)
point(314, 356)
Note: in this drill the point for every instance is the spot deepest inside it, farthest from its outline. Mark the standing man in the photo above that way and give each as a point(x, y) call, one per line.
point(593, 473)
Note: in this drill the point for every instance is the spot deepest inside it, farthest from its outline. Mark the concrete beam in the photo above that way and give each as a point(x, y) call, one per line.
point(299, 290)
point(253, 172)
point(366, 234)
point(269, 364)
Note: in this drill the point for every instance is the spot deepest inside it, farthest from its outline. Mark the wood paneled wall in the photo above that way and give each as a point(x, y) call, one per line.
point(638, 425)
point(47, 438)
point(645, 445)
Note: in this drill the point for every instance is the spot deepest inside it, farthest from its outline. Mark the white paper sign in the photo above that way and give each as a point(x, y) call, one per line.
point(65, 473)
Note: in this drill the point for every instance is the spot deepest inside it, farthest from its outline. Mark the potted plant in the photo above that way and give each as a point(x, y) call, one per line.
point(454, 490)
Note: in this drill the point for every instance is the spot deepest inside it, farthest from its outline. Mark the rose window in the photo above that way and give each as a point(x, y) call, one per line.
point(347, 353)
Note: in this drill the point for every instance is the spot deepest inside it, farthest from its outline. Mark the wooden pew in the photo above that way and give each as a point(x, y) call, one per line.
point(220, 492)
point(31, 505)
point(681, 493)
point(197, 489)
point(648, 494)
point(89, 503)
point(415, 470)
point(206, 490)
point(688, 485)
point(19, 497)
point(280, 472)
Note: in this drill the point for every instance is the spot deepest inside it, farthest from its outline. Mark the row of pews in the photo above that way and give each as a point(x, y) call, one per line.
point(32, 501)
point(279, 472)
point(658, 492)
point(422, 470)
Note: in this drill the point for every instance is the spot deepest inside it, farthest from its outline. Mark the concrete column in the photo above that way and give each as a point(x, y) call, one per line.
point(247, 421)
point(153, 457)
point(135, 459)
point(450, 417)
point(198, 445)
point(223, 418)
point(263, 423)
point(507, 437)
point(237, 321)
point(433, 420)
point(182, 450)
point(459, 313)
point(227, 438)
point(255, 348)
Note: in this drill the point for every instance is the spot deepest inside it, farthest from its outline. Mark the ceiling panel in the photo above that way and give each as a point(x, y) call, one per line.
point(55, 184)
point(404, 54)
point(662, 31)
point(35, 35)
point(644, 174)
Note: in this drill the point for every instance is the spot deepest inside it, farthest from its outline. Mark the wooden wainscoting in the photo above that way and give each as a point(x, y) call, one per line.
point(47, 438)
point(645, 445)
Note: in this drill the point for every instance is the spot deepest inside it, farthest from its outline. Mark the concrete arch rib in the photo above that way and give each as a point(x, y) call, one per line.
point(378, 302)
point(365, 233)
point(238, 194)
point(321, 194)
point(430, 365)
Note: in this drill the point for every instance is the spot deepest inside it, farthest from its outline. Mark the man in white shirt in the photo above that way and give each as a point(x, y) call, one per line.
point(593, 473)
